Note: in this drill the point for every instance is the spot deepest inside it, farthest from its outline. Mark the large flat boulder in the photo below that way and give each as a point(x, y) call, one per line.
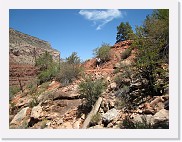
point(110, 115)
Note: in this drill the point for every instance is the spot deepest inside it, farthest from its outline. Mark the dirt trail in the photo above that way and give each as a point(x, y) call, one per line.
point(98, 70)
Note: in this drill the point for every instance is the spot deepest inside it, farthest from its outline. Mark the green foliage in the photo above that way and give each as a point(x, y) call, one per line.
point(24, 125)
point(129, 124)
point(32, 86)
point(123, 77)
point(124, 32)
point(69, 69)
point(45, 85)
point(91, 90)
point(44, 61)
point(95, 119)
point(73, 59)
point(34, 101)
point(126, 53)
point(48, 68)
point(44, 123)
point(117, 70)
point(123, 97)
point(103, 52)
point(152, 41)
point(12, 91)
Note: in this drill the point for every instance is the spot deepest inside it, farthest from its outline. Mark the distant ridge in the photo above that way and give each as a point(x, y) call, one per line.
point(19, 38)
point(23, 52)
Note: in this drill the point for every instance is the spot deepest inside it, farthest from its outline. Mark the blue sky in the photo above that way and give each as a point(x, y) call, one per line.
point(75, 30)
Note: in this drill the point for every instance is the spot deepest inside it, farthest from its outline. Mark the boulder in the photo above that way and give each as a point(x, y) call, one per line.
point(143, 119)
point(161, 119)
point(21, 119)
point(65, 95)
point(54, 85)
point(161, 116)
point(36, 112)
point(109, 115)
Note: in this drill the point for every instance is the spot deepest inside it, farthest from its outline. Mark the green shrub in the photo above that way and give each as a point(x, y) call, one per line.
point(34, 101)
point(123, 97)
point(103, 52)
point(12, 91)
point(118, 80)
point(91, 90)
point(73, 59)
point(95, 119)
point(44, 123)
point(48, 68)
point(117, 70)
point(69, 70)
point(32, 87)
point(67, 73)
point(49, 73)
point(126, 53)
point(45, 85)
point(129, 124)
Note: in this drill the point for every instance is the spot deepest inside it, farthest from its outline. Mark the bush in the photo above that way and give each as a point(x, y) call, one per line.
point(91, 90)
point(44, 123)
point(129, 124)
point(12, 91)
point(45, 85)
point(123, 97)
point(73, 59)
point(126, 53)
point(95, 119)
point(103, 52)
point(48, 74)
point(69, 70)
point(34, 101)
point(32, 86)
point(48, 68)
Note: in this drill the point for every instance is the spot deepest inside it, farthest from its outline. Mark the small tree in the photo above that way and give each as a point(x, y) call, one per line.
point(48, 68)
point(73, 59)
point(91, 90)
point(124, 32)
point(69, 69)
point(103, 52)
point(153, 42)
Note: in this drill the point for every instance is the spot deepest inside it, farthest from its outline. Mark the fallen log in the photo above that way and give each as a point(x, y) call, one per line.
point(92, 113)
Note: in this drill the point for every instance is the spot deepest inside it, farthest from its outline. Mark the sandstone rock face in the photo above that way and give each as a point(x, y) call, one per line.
point(23, 50)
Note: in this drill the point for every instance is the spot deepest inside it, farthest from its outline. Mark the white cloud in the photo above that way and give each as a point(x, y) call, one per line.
point(101, 17)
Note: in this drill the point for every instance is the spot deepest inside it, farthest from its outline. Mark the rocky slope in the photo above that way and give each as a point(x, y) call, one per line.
point(115, 53)
point(59, 107)
point(23, 50)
